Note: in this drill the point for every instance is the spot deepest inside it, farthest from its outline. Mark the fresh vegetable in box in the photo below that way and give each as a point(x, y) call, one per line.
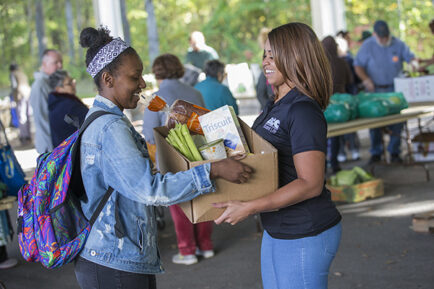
point(351, 177)
point(180, 138)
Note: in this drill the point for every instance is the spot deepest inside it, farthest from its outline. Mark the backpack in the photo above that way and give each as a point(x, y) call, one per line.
point(51, 226)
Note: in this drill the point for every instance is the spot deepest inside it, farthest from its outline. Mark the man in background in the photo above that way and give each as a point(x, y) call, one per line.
point(377, 63)
point(50, 62)
point(199, 53)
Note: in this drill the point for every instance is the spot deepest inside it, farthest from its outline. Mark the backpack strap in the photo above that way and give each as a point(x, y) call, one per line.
point(110, 190)
point(101, 205)
point(75, 154)
point(79, 189)
point(91, 118)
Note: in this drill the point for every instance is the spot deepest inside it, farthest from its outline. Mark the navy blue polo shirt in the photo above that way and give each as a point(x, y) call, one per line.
point(293, 125)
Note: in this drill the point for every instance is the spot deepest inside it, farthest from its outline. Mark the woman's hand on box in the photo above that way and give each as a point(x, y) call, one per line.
point(235, 212)
point(231, 169)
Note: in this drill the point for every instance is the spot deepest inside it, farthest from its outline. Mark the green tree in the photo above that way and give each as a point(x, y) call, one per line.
point(230, 26)
point(408, 20)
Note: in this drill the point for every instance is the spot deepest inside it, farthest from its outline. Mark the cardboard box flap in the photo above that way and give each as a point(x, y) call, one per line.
point(168, 158)
point(256, 143)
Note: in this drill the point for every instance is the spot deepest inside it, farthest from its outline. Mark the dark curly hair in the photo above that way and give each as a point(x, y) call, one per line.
point(167, 66)
point(94, 40)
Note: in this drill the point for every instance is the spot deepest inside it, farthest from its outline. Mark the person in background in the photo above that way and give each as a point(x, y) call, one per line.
point(342, 78)
point(66, 112)
point(302, 227)
point(350, 140)
point(264, 91)
point(51, 61)
point(345, 34)
point(168, 70)
point(193, 239)
point(365, 35)
point(342, 40)
point(378, 61)
point(199, 53)
point(121, 250)
point(214, 93)
point(20, 91)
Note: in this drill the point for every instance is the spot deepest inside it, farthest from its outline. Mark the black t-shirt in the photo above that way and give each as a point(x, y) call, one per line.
point(293, 125)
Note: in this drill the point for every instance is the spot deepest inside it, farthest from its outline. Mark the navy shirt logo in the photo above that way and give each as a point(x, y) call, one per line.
point(272, 125)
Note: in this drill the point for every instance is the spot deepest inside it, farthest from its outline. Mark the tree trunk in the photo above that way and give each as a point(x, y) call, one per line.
point(125, 23)
point(57, 35)
point(3, 44)
point(29, 16)
point(154, 45)
point(78, 9)
point(70, 27)
point(40, 29)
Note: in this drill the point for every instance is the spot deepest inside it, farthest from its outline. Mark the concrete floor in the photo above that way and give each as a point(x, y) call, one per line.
point(378, 247)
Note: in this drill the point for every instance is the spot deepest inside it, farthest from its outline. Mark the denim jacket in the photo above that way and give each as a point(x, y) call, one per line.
point(124, 236)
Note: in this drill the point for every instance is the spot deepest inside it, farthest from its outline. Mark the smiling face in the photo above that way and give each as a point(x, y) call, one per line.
point(273, 75)
point(127, 82)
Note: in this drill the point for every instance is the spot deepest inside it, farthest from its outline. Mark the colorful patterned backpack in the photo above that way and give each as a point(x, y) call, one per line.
point(52, 228)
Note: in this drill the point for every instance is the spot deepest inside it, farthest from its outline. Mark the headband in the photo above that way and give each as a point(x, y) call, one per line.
point(106, 55)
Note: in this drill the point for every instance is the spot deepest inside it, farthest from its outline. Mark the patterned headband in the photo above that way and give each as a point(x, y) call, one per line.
point(106, 55)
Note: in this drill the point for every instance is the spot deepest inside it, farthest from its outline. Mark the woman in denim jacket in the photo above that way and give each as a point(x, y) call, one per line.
point(121, 250)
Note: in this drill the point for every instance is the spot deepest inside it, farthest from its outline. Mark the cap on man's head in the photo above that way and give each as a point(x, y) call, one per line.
point(381, 28)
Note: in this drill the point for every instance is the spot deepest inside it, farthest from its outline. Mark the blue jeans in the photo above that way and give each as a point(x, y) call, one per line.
point(394, 146)
point(94, 276)
point(299, 263)
point(353, 143)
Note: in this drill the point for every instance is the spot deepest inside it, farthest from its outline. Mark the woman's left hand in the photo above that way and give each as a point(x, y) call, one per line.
point(235, 212)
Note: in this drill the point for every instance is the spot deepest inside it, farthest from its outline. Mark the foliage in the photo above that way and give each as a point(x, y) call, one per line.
point(407, 19)
point(230, 26)
point(18, 42)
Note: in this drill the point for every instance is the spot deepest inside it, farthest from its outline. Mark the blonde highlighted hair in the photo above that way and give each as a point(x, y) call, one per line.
point(301, 59)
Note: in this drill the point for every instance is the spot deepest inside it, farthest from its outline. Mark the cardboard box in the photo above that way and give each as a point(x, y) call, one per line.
point(416, 89)
point(264, 181)
point(423, 222)
point(357, 193)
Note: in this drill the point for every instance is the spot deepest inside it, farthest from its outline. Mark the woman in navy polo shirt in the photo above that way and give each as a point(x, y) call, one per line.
point(302, 225)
